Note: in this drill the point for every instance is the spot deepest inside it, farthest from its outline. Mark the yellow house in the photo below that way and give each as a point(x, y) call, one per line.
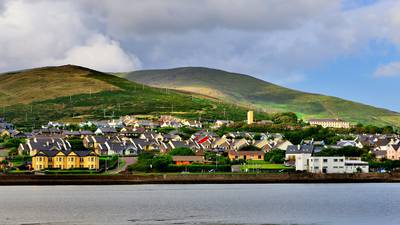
point(47, 159)
point(4, 133)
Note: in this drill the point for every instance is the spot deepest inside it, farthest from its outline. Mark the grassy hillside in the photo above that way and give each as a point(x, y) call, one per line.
point(251, 92)
point(72, 93)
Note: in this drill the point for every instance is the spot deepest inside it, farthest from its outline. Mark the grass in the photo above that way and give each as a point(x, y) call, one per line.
point(251, 92)
point(262, 165)
point(118, 97)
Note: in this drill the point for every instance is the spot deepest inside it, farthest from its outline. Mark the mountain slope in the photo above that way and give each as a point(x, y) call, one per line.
point(32, 97)
point(249, 91)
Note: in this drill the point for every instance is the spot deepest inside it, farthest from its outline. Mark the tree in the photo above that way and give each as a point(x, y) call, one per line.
point(76, 144)
point(285, 118)
point(183, 151)
point(348, 151)
point(161, 162)
point(275, 156)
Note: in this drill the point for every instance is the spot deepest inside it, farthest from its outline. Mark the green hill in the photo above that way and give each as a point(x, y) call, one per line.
point(72, 93)
point(251, 92)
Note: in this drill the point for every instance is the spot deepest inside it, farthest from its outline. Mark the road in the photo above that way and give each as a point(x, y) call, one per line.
point(128, 161)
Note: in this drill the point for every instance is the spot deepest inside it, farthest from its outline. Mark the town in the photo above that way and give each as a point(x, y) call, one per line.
point(140, 144)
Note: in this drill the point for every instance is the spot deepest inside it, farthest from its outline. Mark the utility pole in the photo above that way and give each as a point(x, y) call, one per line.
point(104, 113)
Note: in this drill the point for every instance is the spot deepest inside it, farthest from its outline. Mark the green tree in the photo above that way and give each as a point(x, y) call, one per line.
point(181, 151)
point(161, 162)
point(275, 156)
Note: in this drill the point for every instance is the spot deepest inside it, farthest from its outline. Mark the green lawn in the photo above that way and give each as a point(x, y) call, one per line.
point(262, 165)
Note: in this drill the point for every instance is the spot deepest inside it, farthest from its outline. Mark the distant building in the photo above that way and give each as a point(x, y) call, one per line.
point(333, 123)
point(47, 159)
point(250, 117)
point(246, 155)
point(187, 160)
point(335, 165)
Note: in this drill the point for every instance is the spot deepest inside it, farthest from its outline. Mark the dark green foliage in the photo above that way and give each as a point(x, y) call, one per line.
point(387, 165)
point(165, 130)
point(347, 151)
point(161, 162)
point(76, 144)
point(285, 118)
point(329, 136)
point(275, 156)
point(181, 151)
point(13, 142)
point(108, 162)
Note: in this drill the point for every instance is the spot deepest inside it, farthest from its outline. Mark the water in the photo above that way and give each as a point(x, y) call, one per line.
point(202, 204)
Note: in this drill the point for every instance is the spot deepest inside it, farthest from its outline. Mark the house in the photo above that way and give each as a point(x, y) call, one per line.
point(238, 144)
point(245, 155)
point(4, 133)
point(221, 144)
point(380, 154)
point(172, 137)
point(132, 131)
point(336, 165)
point(33, 145)
point(124, 148)
point(146, 144)
point(264, 145)
point(220, 123)
point(345, 143)
point(192, 123)
point(105, 131)
point(48, 159)
point(298, 155)
point(393, 153)
point(281, 144)
point(187, 160)
point(333, 123)
point(152, 136)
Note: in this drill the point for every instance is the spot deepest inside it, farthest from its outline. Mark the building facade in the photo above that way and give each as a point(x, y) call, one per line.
point(65, 160)
point(250, 117)
point(336, 165)
point(333, 123)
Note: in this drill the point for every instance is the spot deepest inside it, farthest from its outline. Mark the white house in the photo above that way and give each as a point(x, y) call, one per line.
point(335, 165)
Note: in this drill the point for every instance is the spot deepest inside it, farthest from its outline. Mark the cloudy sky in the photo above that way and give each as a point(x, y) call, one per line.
point(345, 48)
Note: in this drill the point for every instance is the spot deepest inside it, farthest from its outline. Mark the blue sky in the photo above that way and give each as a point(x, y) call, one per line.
point(344, 48)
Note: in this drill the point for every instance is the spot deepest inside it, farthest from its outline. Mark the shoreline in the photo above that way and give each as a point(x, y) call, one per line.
point(137, 179)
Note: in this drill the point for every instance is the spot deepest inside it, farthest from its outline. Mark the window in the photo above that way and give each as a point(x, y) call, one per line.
point(325, 160)
point(335, 160)
point(341, 160)
point(259, 157)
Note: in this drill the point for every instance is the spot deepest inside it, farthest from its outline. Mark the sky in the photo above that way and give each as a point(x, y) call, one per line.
point(344, 48)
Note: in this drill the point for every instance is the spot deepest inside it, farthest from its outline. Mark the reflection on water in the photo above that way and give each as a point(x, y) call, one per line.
point(241, 204)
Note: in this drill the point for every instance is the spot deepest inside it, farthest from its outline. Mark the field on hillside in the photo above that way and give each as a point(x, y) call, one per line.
point(114, 97)
point(263, 96)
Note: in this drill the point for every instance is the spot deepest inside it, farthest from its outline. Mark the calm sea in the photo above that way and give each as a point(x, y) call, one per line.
point(364, 204)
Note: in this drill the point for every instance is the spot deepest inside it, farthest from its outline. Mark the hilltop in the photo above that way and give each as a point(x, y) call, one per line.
point(73, 93)
point(248, 91)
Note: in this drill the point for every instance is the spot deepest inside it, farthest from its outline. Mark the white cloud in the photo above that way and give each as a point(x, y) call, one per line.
point(388, 70)
point(269, 39)
point(102, 54)
point(43, 33)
